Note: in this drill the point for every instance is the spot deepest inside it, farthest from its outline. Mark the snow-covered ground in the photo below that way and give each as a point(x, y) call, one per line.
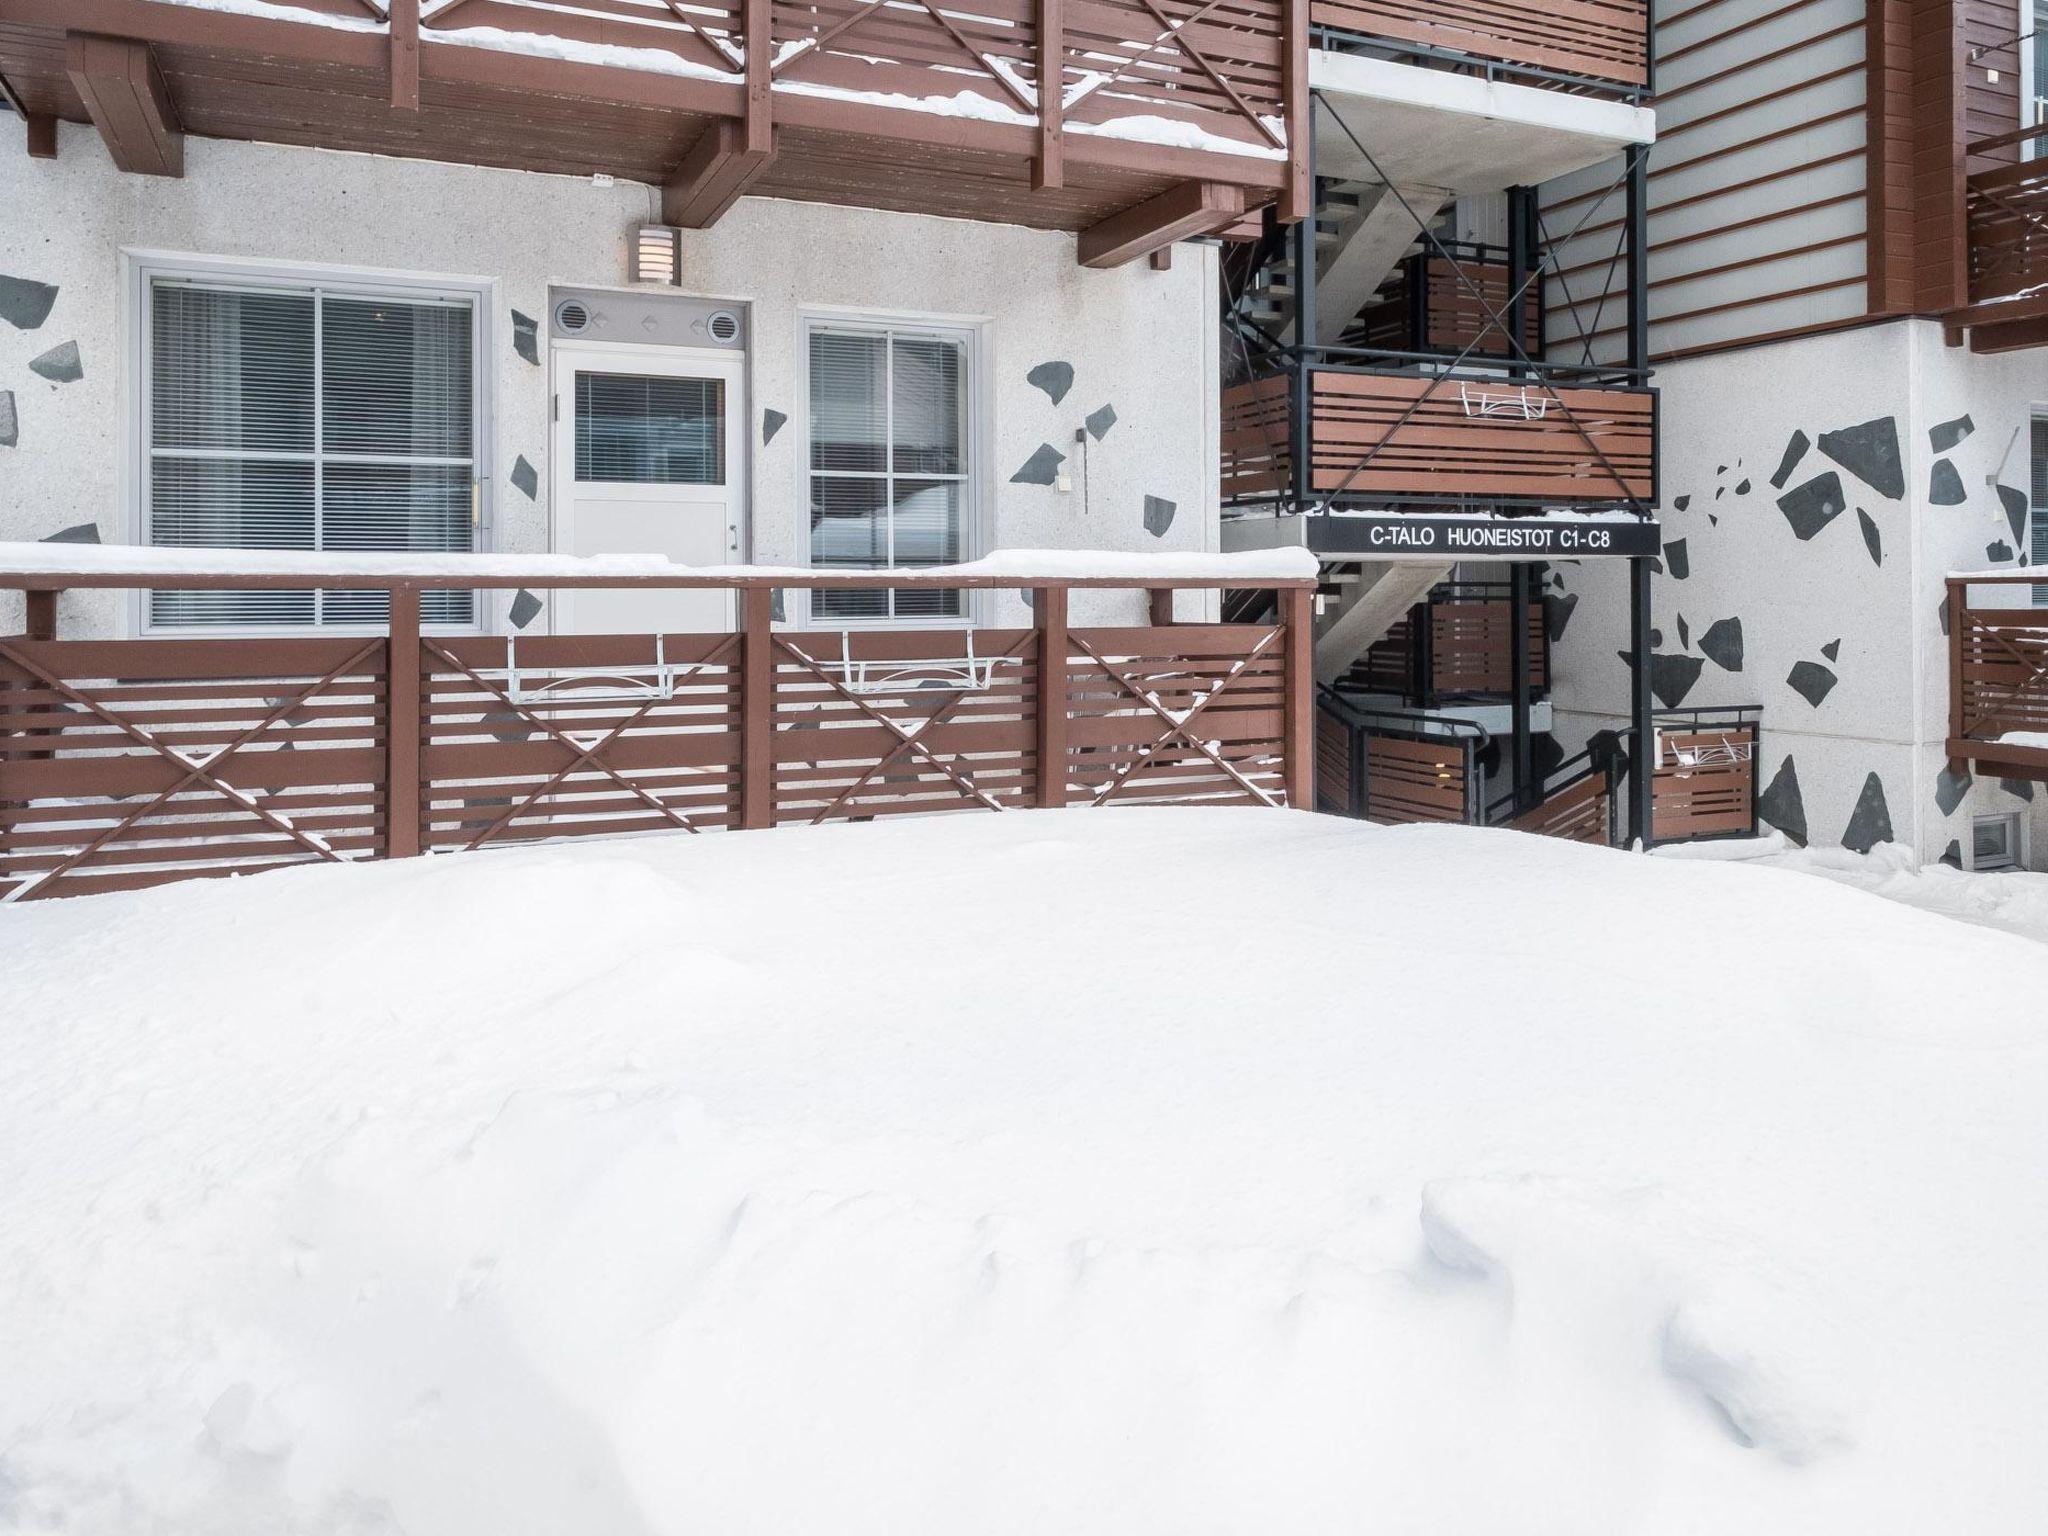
point(2014, 900)
point(1129, 1171)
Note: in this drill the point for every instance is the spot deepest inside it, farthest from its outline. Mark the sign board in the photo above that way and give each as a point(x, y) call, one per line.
point(1467, 538)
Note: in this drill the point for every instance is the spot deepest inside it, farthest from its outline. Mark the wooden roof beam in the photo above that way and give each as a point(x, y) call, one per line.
point(125, 94)
point(41, 139)
point(714, 175)
point(1179, 213)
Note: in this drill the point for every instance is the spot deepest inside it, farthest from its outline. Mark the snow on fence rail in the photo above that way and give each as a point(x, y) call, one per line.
point(132, 762)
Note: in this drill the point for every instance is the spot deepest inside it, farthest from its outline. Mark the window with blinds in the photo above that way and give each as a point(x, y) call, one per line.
point(890, 477)
point(308, 419)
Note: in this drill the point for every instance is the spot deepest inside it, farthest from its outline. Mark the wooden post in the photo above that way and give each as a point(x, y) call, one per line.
point(1162, 607)
point(757, 707)
point(42, 615)
point(757, 24)
point(1048, 168)
point(402, 725)
point(405, 54)
point(1958, 619)
point(1297, 197)
point(1052, 697)
point(42, 136)
point(1298, 720)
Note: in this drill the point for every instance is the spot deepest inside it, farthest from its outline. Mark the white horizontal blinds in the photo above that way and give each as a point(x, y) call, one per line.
point(310, 420)
point(888, 470)
point(231, 440)
point(641, 430)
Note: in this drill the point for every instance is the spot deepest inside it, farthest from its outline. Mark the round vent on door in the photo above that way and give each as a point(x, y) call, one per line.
point(724, 327)
point(572, 316)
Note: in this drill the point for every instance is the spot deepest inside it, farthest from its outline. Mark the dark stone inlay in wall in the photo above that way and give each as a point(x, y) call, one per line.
point(772, 422)
point(1944, 435)
point(1684, 633)
point(1781, 805)
point(1941, 611)
point(83, 533)
point(1952, 855)
point(1713, 521)
point(10, 423)
point(2024, 788)
point(1870, 452)
point(1998, 551)
point(2015, 503)
point(1872, 540)
point(1721, 643)
point(1159, 515)
point(24, 303)
point(1608, 751)
point(1099, 422)
point(1677, 560)
point(1672, 677)
point(1811, 681)
point(1949, 789)
point(1742, 488)
point(1945, 486)
point(60, 365)
point(1656, 636)
point(1042, 468)
point(1871, 822)
point(1546, 754)
point(1832, 650)
point(1557, 613)
point(525, 608)
point(526, 477)
point(1795, 450)
point(1680, 503)
point(1812, 506)
point(1055, 378)
point(526, 337)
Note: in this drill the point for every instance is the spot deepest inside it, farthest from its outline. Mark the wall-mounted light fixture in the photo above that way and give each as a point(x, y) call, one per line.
point(656, 257)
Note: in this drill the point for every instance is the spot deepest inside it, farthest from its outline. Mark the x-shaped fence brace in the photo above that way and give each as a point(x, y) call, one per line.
point(2014, 256)
point(2036, 665)
point(204, 771)
point(1495, 321)
point(908, 743)
point(581, 754)
point(1177, 726)
point(792, 61)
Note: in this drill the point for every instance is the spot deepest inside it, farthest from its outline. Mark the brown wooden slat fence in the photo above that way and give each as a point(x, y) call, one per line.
point(1603, 40)
point(2008, 229)
point(1998, 678)
point(131, 762)
point(1397, 435)
point(1704, 783)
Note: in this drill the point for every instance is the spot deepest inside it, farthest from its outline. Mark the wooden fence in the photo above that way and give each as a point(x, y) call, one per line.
point(2008, 230)
point(1703, 783)
point(131, 762)
point(1998, 678)
point(1594, 40)
point(1404, 436)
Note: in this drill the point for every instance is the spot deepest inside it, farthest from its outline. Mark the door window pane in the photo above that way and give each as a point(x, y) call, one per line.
point(631, 429)
point(888, 463)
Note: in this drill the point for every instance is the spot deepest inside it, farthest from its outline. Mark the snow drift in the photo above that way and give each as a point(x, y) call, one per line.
point(1121, 1172)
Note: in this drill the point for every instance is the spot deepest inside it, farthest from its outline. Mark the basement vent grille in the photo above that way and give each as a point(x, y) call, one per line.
point(572, 317)
point(724, 326)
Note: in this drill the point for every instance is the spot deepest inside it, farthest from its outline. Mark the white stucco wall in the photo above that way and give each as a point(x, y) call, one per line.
point(1139, 340)
point(1728, 420)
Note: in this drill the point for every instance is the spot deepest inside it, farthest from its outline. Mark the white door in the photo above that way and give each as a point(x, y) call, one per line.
point(650, 459)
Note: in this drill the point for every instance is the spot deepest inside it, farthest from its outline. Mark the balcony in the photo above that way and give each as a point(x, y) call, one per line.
point(1174, 117)
point(1599, 47)
point(1998, 675)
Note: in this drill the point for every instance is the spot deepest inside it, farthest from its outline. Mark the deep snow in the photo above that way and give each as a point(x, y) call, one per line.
point(1126, 1171)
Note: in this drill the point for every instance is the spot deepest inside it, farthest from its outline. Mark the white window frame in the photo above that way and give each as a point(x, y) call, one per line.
point(142, 268)
point(2016, 824)
point(976, 501)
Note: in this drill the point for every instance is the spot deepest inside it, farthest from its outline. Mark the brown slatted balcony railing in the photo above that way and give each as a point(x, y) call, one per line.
point(1588, 42)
